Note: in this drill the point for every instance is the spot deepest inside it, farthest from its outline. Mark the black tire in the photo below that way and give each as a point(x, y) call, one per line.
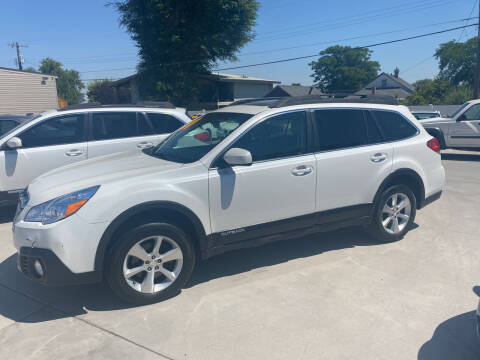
point(116, 256)
point(376, 228)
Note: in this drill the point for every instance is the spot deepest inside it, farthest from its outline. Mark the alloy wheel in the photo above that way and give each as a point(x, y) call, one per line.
point(152, 264)
point(396, 213)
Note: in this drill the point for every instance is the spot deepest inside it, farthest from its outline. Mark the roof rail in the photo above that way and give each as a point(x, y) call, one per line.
point(96, 105)
point(255, 100)
point(336, 98)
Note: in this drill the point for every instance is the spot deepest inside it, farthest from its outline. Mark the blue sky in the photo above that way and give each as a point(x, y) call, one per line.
point(86, 36)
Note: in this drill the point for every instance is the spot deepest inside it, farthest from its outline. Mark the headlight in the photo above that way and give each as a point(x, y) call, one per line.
point(61, 207)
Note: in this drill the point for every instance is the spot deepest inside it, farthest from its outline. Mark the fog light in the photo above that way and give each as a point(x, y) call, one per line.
point(38, 267)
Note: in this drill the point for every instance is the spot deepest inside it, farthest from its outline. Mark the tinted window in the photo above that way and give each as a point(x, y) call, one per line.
point(114, 125)
point(393, 125)
point(339, 129)
point(144, 127)
point(373, 133)
point(163, 123)
point(279, 136)
point(7, 125)
point(60, 130)
point(472, 114)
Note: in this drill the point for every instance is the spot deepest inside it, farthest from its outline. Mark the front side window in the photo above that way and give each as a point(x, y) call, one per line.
point(276, 137)
point(340, 129)
point(164, 123)
point(195, 139)
point(114, 125)
point(68, 129)
point(393, 125)
point(472, 114)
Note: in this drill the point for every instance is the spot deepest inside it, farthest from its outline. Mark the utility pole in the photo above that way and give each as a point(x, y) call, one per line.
point(477, 70)
point(19, 57)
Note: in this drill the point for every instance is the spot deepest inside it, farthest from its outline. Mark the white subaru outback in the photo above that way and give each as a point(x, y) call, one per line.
point(241, 176)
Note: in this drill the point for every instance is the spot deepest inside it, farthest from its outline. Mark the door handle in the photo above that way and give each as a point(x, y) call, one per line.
point(74, 152)
point(378, 157)
point(302, 170)
point(144, 145)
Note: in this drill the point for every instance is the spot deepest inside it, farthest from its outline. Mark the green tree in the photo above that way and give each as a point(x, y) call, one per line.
point(69, 85)
point(344, 69)
point(178, 39)
point(438, 91)
point(101, 91)
point(457, 61)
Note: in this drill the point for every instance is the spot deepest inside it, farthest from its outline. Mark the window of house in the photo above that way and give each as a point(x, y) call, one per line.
point(384, 83)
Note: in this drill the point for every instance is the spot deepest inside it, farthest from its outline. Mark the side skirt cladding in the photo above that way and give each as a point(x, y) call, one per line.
point(257, 235)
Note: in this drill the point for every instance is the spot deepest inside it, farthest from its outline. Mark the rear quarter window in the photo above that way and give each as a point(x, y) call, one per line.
point(393, 125)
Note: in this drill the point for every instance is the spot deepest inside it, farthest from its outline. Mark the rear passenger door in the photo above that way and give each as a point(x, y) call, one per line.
point(352, 160)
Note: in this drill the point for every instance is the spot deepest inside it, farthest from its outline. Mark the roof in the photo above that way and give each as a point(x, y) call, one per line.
point(28, 72)
point(402, 83)
point(212, 76)
point(395, 92)
point(294, 90)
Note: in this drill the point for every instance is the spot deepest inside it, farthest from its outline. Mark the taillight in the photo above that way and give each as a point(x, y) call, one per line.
point(434, 144)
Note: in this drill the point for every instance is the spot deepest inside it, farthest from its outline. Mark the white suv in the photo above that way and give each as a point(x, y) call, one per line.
point(240, 176)
point(79, 132)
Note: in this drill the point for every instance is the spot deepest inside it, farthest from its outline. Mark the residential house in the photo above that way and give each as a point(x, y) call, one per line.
point(23, 92)
point(293, 90)
point(216, 89)
point(387, 84)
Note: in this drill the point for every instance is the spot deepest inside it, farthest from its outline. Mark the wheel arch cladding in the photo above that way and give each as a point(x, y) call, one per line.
point(145, 213)
point(406, 177)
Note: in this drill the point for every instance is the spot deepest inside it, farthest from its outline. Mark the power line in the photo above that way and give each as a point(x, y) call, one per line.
point(469, 15)
point(366, 46)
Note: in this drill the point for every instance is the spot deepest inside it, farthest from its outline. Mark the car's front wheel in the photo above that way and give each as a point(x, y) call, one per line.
point(150, 263)
point(394, 214)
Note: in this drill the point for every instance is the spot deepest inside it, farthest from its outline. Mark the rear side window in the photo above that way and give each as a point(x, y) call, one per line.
point(7, 125)
point(68, 129)
point(393, 125)
point(339, 129)
point(114, 125)
point(373, 133)
point(164, 123)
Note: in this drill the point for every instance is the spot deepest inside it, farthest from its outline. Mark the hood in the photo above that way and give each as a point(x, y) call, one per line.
point(96, 171)
point(435, 121)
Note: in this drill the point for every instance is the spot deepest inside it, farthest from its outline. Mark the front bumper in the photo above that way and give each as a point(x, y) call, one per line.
point(53, 271)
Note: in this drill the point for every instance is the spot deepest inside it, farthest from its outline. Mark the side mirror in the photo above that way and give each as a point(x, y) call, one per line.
point(14, 143)
point(237, 156)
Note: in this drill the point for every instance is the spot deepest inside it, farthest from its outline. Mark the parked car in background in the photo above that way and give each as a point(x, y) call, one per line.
point(240, 176)
point(460, 130)
point(76, 133)
point(9, 122)
point(421, 115)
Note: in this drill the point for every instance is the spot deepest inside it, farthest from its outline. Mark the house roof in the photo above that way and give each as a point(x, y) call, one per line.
point(399, 93)
point(402, 83)
point(294, 90)
point(28, 72)
point(213, 76)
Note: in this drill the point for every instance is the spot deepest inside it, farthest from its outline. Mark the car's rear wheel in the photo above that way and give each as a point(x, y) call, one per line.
point(150, 263)
point(394, 214)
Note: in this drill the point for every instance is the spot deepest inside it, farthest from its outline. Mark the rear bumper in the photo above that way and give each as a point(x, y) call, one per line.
point(428, 200)
point(54, 272)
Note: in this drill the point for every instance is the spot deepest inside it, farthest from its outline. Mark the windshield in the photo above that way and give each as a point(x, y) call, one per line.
point(460, 108)
point(192, 141)
point(421, 116)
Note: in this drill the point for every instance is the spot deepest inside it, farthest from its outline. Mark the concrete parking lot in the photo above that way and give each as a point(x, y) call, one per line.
point(336, 295)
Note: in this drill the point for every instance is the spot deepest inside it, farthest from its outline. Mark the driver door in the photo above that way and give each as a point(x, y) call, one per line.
point(276, 193)
point(47, 145)
point(465, 132)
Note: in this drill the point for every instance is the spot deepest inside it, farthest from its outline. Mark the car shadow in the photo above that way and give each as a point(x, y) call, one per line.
point(68, 301)
point(461, 157)
point(7, 213)
point(453, 339)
